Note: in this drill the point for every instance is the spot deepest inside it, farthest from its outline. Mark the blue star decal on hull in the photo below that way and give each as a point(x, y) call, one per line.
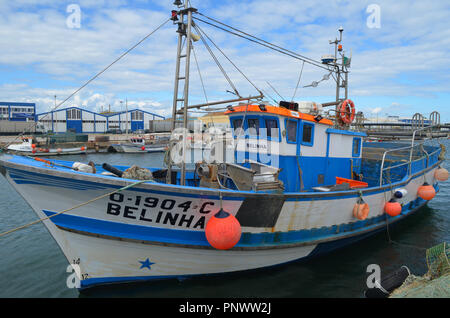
point(146, 264)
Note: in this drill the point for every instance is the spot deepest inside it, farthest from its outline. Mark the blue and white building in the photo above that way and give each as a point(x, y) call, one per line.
point(13, 111)
point(85, 121)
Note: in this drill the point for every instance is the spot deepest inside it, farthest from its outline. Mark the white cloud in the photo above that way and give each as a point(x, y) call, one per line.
point(407, 56)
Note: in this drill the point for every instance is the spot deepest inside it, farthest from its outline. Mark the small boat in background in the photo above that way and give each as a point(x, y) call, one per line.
point(136, 145)
point(28, 147)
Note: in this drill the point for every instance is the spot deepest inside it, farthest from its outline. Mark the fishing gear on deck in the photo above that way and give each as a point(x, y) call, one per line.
point(112, 169)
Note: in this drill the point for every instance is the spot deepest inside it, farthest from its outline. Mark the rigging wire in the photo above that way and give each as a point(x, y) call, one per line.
point(266, 94)
point(217, 62)
point(201, 79)
point(229, 60)
point(200, 74)
point(298, 82)
point(91, 80)
point(282, 98)
point(262, 42)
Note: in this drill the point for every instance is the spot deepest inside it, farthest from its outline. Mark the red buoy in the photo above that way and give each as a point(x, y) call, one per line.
point(33, 146)
point(393, 208)
point(223, 230)
point(143, 148)
point(426, 191)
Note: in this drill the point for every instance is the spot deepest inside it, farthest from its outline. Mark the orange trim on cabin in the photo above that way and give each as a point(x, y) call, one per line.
point(278, 111)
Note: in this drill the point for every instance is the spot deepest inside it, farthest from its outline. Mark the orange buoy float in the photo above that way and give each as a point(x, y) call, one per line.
point(361, 210)
point(426, 191)
point(441, 174)
point(347, 111)
point(223, 230)
point(393, 208)
point(83, 148)
point(33, 146)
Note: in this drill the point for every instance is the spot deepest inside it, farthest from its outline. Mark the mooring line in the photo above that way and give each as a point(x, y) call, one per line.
point(74, 207)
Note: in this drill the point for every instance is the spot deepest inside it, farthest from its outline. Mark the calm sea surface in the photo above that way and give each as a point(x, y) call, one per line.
point(32, 265)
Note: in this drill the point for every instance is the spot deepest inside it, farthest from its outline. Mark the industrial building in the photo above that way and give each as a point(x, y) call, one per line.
point(12, 111)
point(16, 117)
point(80, 120)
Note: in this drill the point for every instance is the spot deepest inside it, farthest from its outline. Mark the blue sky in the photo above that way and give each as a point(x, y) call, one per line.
point(398, 68)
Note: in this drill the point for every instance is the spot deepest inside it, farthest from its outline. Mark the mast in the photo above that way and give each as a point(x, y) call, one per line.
point(126, 117)
point(341, 70)
point(184, 30)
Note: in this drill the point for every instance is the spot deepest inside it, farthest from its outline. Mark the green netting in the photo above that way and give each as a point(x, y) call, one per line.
point(435, 283)
point(437, 260)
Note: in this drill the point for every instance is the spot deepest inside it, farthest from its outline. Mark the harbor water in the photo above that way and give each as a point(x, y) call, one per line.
point(32, 265)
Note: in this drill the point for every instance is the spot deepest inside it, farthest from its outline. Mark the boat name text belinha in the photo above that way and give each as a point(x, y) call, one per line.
point(166, 214)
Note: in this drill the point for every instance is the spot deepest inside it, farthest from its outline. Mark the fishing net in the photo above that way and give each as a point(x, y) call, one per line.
point(435, 283)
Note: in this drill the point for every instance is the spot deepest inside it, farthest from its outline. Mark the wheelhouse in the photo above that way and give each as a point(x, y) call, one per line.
point(310, 150)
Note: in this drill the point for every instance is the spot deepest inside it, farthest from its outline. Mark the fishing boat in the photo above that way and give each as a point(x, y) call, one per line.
point(136, 145)
point(297, 185)
point(28, 147)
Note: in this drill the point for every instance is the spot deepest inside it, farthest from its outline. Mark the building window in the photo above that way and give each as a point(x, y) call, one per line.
point(137, 115)
point(291, 131)
point(74, 114)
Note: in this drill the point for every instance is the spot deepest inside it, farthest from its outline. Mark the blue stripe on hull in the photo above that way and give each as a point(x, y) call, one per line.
point(322, 248)
point(27, 177)
point(197, 238)
point(128, 231)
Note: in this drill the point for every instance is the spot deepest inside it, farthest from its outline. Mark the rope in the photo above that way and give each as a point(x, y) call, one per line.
point(282, 98)
point(74, 207)
point(217, 61)
point(229, 60)
point(200, 75)
point(89, 81)
point(298, 82)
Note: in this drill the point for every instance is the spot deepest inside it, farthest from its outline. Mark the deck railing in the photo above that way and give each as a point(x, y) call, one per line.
point(411, 151)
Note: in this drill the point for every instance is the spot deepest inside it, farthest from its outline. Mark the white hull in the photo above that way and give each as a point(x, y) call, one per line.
point(117, 248)
point(51, 152)
point(124, 148)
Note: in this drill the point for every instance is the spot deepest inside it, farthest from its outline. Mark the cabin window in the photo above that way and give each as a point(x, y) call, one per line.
point(237, 125)
point(253, 126)
point(308, 134)
point(356, 147)
point(291, 131)
point(272, 128)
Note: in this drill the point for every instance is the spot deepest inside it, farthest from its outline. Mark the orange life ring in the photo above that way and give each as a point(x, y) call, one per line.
point(347, 111)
